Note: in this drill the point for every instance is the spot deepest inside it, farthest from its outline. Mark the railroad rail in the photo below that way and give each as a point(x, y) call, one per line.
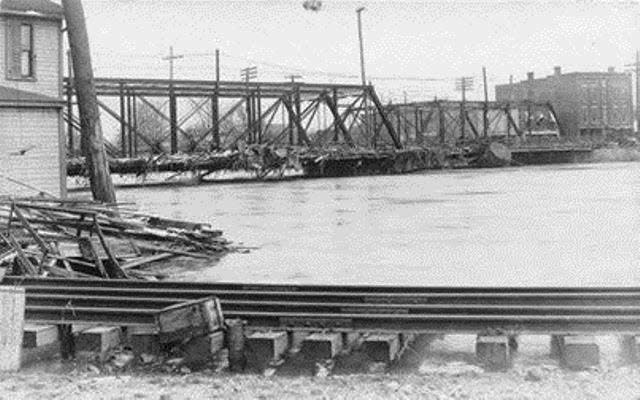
point(544, 310)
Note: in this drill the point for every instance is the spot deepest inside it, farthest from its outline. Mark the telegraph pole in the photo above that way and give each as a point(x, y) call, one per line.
point(249, 73)
point(293, 77)
point(363, 76)
point(485, 109)
point(91, 130)
point(173, 104)
point(171, 57)
point(215, 143)
point(462, 85)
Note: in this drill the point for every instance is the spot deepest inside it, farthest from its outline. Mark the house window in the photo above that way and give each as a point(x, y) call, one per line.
point(20, 54)
point(26, 54)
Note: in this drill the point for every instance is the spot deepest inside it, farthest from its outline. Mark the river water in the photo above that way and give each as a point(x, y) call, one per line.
point(551, 225)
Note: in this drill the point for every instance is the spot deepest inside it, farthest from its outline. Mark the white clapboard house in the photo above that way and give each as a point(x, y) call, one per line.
point(32, 144)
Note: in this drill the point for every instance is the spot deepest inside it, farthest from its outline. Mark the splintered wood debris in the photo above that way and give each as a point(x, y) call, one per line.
point(80, 238)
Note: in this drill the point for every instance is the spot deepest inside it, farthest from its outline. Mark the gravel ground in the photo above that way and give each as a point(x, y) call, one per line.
point(448, 372)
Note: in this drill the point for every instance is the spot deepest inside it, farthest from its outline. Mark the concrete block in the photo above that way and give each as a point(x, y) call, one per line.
point(265, 347)
point(39, 335)
point(98, 340)
point(382, 347)
point(202, 349)
point(295, 340)
point(350, 340)
point(493, 352)
point(555, 346)
point(630, 348)
point(321, 346)
point(77, 328)
point(12, 304)
point(579, 352)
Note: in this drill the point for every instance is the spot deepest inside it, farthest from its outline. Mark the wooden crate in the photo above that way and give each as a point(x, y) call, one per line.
point(181, 322)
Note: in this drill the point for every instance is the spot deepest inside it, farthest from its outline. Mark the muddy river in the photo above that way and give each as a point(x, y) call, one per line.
point(551, 225)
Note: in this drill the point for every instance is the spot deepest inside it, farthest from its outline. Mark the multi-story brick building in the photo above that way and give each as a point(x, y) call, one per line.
point(587, 103)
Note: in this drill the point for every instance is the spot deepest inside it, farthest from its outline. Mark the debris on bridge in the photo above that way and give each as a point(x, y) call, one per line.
point(81, 238)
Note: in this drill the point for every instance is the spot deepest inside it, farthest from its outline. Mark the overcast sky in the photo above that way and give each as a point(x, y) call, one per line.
point(417, 47)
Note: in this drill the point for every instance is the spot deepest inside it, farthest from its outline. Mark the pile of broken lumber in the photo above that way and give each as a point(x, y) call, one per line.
point(80, 238)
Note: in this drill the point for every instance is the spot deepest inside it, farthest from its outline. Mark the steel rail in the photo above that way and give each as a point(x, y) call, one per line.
point(354, 298)
point(369, 308)
point(357, 321)
point(61, 300)
point(77, 314)
point(211, 286)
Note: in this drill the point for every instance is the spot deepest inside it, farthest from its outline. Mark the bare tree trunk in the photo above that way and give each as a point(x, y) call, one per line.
point(91, 139)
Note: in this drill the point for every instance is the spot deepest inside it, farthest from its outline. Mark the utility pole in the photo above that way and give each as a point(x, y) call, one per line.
point(217, 66)
point(293, 77)
point(462, 85)
point(249, 73)
point(91, 130)
point(173, 104)
point(215, 128)
point(485, 109)
point(363, 76)
point(171, 58)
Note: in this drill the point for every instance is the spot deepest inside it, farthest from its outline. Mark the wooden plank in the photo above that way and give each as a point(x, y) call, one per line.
point(146, 260)
point(172, 251)
point(89, 252)
point(12, 305)
point(114, 266)
point(27, 267)
point(41, 243)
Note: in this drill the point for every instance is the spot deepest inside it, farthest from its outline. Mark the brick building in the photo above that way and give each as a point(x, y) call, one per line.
point(587, 103)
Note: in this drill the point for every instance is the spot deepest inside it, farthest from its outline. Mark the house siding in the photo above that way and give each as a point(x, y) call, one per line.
point(35, 129)
point(46, 45)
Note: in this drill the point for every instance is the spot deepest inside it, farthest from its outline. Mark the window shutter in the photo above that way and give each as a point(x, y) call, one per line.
point(14, 49)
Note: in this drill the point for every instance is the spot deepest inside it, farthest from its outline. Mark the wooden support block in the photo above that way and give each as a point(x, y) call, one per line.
point(236, 344)
point(98, 340)
point(39, 335)
point(265, 347)
point(321, 346)
point(201, 350)
point(493, 352)
point(381, 347)
point(579, 352)
point(12, 304)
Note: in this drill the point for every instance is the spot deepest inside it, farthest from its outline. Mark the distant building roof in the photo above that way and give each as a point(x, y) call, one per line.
point(10, 97)
point(37, 8)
